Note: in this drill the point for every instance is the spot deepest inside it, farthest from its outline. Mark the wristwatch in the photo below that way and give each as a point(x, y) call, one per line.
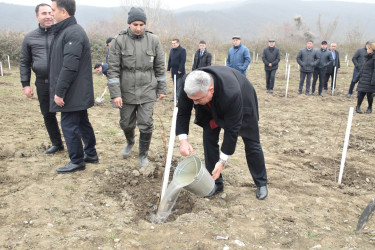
point(222, 162)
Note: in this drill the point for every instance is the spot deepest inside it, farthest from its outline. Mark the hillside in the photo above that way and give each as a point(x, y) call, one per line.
point(252, 18)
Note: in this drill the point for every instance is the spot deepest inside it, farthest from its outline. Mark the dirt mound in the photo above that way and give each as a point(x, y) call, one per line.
point(109, 204)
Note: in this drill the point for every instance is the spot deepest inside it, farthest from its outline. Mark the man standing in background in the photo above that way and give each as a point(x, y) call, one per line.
point(325, 58)
point(176, 64)
point(358, 61)
point(331, 72)
point(238, 56)
point(202, 57)
point(307, 59)
point(71, 85)
point(271, 59)
point(34, 55)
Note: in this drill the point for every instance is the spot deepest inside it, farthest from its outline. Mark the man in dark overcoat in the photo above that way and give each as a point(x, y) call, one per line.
point(176, 64)
point(271, 59)
point(71, 85)
point(223, 99)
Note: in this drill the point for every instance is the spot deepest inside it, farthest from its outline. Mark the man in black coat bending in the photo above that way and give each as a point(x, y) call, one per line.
point(71, 85)
point(223, 99)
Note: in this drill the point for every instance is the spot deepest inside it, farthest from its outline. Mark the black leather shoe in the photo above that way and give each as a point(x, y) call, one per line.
point(368, 111)
point(54, 149)
point(262, 192)
point(218, 188)
point(90, 159)
point(70, 168)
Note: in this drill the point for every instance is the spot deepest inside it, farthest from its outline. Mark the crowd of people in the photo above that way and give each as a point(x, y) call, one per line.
point(58, 51)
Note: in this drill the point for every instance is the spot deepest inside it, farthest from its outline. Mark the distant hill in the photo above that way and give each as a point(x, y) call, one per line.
point(251, 19)
point(22, 18)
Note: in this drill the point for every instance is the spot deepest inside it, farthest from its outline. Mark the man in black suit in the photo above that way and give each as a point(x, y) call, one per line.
point(202, 58)
point(176, 64)
point(223, 99)
point(335, 64)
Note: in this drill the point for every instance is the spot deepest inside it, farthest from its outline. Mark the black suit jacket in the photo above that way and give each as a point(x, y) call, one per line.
point(176, 62)
point(337, 62)
point(205, 60)
point(234, 107)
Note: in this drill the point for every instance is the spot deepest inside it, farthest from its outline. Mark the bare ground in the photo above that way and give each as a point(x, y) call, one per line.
point(109, 204)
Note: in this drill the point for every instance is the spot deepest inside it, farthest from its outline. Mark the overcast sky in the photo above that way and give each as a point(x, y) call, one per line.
point(168, 4)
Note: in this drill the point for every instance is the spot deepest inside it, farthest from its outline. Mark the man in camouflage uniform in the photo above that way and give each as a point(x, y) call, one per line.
point(135, 71)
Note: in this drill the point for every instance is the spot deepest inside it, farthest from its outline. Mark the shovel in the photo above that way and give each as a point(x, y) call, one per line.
point(101, 98)
point(366, 215)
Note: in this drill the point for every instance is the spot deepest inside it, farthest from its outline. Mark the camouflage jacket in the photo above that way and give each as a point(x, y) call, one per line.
point(136, 67)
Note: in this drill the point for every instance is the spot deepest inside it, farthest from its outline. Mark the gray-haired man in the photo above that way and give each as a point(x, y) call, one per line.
point(223, 99)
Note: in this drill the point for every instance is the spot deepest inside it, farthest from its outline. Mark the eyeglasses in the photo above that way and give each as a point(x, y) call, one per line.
point(199, 99)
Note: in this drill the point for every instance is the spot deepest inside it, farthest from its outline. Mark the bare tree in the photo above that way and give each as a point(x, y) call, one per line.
point(326, 31)
point(354, 39)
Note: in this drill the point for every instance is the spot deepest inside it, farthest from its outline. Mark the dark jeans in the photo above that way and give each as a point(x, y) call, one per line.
point(352, 84)
point(361, 96)
point(330, 74)
point(302, 76)
point(321, 74)
point(253, 150)
point(50, 121)
point(77, 127)
point(270, 78)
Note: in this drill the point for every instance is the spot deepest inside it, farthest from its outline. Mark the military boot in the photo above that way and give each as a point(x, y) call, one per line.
point(129, 135)
point(144, 145)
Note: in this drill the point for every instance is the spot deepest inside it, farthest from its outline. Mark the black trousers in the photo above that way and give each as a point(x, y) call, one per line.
point(270, 78)
point(361, 96)
point(302, 76)
point(76, 128)
point(321, 74)
point(253, 150)
point(330, 74)
point(352, 84)
point(50, 121)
